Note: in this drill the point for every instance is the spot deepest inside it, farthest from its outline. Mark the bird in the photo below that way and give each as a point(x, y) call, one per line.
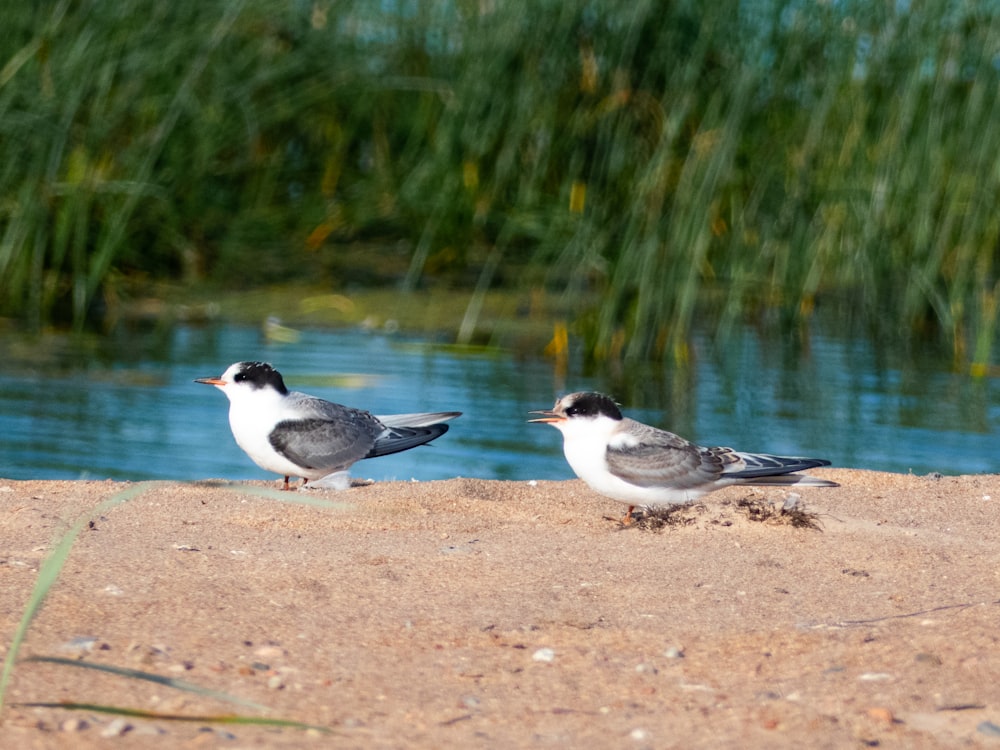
point(294, 434)
point(646, 467)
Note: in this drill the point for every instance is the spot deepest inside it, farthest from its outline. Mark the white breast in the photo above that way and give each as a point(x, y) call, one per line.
point(252, 422)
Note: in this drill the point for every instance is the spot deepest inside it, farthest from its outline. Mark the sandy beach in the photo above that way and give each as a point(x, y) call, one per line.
point(471, 613)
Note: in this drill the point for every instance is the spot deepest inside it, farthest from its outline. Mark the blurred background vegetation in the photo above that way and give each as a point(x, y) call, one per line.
point(654, 165)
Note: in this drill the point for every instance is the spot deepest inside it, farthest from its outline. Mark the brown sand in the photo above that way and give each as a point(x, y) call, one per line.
point(471, 613)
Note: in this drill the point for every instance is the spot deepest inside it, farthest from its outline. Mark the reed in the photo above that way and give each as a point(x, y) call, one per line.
point(49, 573)
point(682, 165)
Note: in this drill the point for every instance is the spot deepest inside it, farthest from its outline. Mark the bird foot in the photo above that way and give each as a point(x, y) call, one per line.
point(627, 520)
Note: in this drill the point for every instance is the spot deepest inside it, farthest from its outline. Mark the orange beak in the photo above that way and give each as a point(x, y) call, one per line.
point(549, 418)
point(211, 381)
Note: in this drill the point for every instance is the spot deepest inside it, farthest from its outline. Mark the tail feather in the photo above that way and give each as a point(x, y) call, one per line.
point(765, 470)
point(424, 419)
point(405, 431)
point(785, 480)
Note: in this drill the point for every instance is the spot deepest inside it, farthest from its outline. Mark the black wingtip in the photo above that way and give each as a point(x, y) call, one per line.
point(762, 465)
point(401, 439)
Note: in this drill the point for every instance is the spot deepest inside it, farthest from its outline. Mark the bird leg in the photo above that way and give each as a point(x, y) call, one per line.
point(285, 486)
point(626, 520)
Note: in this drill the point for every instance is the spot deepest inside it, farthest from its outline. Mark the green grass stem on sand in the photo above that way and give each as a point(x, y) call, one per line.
point(660, 165)
point(48, 576)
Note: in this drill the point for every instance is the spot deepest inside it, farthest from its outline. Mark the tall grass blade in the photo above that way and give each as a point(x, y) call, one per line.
point(48, 574)
point(136, 674)
point(294, 497)
point(206, 719)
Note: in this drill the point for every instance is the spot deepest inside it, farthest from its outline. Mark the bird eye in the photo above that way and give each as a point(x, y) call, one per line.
point(571, 410)
point(240, 377)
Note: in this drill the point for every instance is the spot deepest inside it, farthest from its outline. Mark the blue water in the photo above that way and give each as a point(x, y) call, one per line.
point(126, 408)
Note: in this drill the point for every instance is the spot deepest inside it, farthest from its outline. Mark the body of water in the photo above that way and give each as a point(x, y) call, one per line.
point(126, 408)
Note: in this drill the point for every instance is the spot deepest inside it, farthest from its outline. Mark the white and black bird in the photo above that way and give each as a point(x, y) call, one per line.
point(293, 434)
point(646, 467)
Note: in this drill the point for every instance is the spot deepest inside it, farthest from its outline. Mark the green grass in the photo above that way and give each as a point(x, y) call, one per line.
point(682, 165)
point(48, 576)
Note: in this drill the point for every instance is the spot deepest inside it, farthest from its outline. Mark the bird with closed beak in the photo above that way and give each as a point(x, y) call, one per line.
point(293, 434)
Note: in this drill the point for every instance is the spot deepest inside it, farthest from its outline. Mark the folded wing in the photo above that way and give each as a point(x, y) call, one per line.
point(657, 458)
point(327, 444)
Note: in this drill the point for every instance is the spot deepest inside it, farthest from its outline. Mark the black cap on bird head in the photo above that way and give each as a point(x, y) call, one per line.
point(590, 404)
point(260, 375)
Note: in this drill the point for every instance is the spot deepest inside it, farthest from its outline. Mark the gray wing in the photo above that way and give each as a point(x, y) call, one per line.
point(325, 436)
point(661, 459)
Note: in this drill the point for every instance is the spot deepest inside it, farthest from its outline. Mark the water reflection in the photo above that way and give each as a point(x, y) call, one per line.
point(126, 407)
